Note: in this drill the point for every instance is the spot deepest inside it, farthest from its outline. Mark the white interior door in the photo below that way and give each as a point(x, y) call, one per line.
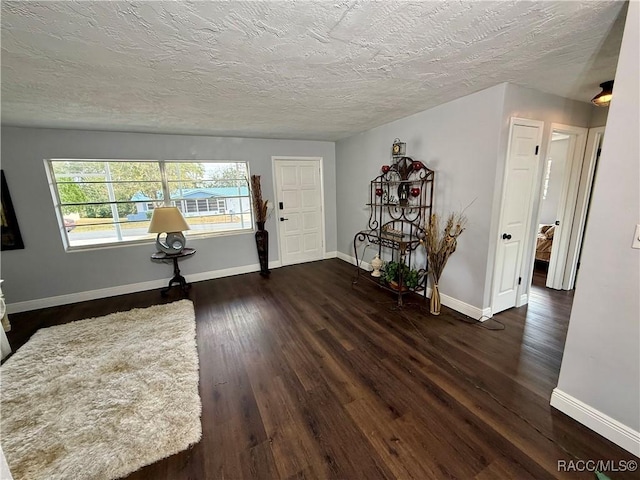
point(567, 204)
point(591, 156)
point(299, 209)
point(517, 205)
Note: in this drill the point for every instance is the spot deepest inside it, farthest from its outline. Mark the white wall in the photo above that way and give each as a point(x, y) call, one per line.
point(459, 140)
point(599, 116)
point(44, 270)
point(465, 142)
point(5, 474)
point(601, 362)
point(558, 156)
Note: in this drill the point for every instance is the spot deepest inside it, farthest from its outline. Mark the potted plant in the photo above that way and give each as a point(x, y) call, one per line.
point(393, 271)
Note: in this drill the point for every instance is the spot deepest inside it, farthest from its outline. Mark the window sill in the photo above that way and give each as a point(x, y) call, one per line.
point(152, 241)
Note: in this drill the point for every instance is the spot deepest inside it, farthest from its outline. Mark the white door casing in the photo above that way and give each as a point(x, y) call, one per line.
point(521, 169)
point(592, 152)
point(567, 204)
point(299, 208)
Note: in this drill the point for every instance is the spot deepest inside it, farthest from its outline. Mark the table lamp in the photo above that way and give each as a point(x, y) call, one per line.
point(169, 220)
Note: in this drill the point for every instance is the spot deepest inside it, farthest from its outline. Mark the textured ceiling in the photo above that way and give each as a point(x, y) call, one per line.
point(288, 69)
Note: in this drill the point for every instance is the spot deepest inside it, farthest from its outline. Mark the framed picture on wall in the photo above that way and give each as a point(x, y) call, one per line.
point(11, 238)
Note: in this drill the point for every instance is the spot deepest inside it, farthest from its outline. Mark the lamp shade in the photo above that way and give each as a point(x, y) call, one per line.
point(167, 219)
point(604, 97)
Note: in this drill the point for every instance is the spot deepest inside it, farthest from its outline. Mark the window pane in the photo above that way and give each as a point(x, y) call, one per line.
point(138, 191)
point(218, 223)
point(207, 174)
point(109, 212)
point(134, 171)
point(81, 192)
point(187, 171)
point(88, 233)
point(68, 168)
point(182, 190)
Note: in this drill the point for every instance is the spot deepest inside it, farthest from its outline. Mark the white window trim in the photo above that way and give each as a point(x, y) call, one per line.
point(250, 229)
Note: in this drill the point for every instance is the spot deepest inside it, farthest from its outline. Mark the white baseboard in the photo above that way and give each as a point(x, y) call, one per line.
point(130, 288)
point(597, 421)
point(453, 303)
point(328, 255)
point(352, 260)
point(346, 258)
point(460, 306)
point(446, 300)
point(486, 314)
point(47, 302)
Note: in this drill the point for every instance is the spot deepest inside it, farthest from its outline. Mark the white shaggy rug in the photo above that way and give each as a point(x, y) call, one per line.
point(100, 398)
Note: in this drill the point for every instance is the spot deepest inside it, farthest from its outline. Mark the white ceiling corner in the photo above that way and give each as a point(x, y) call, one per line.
point(288, 69)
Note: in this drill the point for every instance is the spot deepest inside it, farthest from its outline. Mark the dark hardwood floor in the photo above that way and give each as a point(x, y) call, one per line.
point(304, 376)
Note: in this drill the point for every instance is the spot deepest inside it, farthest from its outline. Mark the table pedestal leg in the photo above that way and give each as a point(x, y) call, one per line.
point(177, 279)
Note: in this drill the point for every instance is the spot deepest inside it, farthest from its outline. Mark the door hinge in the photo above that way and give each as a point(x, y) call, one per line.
point(537, 148)
point(519, 280)
point(599, 152)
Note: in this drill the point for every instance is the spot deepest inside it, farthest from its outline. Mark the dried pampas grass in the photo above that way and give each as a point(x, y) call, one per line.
point(440, 243)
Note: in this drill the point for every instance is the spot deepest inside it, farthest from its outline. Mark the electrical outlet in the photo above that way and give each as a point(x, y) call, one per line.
point(636, 238)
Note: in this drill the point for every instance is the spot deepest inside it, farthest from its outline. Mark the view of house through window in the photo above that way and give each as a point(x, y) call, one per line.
point(109, 201)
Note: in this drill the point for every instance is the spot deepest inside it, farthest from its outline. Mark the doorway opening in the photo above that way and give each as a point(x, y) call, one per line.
point(568, 177)
point(552, 183)
point(553, 196)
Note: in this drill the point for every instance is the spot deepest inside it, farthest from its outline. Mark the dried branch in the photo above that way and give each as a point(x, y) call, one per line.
point(441, 243)
point(259, 205)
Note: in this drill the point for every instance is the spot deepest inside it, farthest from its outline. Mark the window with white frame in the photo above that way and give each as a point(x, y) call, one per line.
point(101, 202)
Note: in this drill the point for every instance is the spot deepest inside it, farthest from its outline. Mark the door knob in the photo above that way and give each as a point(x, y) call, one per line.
point(506, 236)
point(282, 219)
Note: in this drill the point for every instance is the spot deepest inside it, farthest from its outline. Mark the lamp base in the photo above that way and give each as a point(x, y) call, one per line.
point(173, 243)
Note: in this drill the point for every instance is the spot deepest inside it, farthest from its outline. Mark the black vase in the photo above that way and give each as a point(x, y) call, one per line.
point(262, 244)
